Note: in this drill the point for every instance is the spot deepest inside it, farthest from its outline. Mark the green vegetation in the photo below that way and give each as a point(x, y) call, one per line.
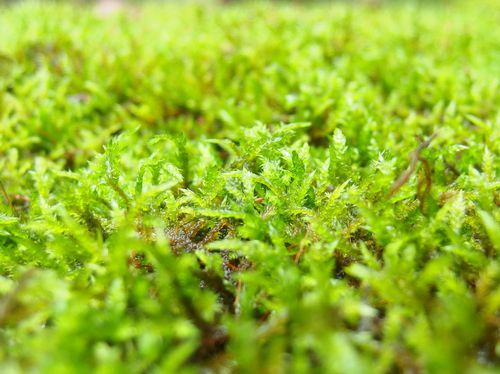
point(250, 188)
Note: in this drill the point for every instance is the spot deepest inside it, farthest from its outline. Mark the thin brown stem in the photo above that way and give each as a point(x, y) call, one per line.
point(414, 158)
point(7, 198)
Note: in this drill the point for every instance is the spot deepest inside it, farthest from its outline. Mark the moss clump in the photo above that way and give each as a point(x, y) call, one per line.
point(250, 188)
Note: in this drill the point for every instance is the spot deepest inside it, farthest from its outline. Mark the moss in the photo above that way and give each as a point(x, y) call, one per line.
point(250, 188)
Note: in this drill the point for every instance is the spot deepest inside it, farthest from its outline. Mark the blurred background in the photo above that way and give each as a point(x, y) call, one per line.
point(136, 2)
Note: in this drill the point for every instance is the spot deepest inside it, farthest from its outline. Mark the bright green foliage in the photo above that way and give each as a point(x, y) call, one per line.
point(250, 188)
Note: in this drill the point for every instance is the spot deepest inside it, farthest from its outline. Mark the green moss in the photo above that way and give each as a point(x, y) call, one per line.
point(250, 188)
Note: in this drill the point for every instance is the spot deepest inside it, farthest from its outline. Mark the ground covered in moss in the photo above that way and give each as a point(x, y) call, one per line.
point(250, 188)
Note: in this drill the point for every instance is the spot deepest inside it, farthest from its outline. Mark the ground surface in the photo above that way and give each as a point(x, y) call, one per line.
point(250, 188)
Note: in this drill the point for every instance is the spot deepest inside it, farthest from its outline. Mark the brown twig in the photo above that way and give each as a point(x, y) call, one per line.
point(7, 198)
point(299, 254)
point(414, 158)
point(424, 184)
